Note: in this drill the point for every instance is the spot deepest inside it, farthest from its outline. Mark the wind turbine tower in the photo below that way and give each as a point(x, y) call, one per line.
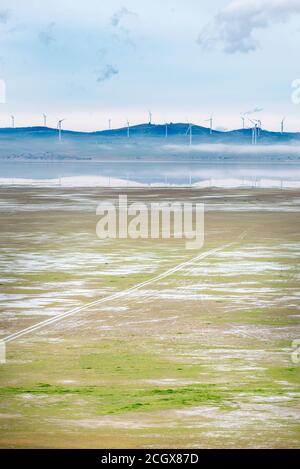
point(190, 132)
point(128, 129)
point(109, 124)
point(45, 120)
point(254, 135)
point(12, 121)
point(259, 127)
point(150, 117)
point(59, 129)
point(282, 125)
point(254, 131)
point(210, 120)
point(243, 120)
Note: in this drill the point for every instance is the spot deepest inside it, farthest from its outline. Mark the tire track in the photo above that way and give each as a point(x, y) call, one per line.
point(115, 296)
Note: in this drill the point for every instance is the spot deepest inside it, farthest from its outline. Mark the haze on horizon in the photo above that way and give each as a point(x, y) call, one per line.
point(92, 61)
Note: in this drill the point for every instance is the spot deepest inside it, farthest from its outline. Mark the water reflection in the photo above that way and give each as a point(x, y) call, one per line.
point(166, 173)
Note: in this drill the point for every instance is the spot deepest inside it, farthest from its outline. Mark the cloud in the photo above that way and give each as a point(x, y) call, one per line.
point(235, 149)
point(121, 33)
point(107, 72)
point(119, 15)
point(253, 111)
point(234, 27)
point(4, 16)
point(47, 36)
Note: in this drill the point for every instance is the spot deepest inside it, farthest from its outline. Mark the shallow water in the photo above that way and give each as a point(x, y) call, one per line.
point(116, 173)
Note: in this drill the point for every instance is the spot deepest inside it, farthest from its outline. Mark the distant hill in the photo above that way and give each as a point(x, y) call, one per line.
point(37, 131)
point(146, 141)
point(176, 130)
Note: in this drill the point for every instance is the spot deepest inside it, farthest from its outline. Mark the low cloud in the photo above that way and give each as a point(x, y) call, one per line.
point(107, 73)
point(234, 27)
point(235, 149)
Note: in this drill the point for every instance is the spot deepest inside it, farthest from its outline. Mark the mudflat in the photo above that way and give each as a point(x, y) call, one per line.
point(205, 357)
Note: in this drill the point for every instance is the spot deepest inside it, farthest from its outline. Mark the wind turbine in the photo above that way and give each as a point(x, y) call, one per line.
point(128, 129)
point(59, 128)
point(243, 120)
point(109, 124)
point(254, 131)
point(189, 130)
point(210, 120)
point(259, 127)
point(12, 121)
point(45, 120)
point(282, 125)
point(150, 117)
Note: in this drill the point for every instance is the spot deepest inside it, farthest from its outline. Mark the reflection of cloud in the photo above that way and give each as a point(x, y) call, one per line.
point(47, 36)
point(107, 72)
point(119, 15)
point(234, 25)
point(4, 16)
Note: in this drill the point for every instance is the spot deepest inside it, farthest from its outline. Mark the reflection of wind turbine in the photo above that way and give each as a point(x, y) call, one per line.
point(45, 120)
point(282, 125)
point(210, 120)
point(59, 128)
point(150, 117)
point(189, 131)
point(128, 129)
point(12, 121)
point(166, 133)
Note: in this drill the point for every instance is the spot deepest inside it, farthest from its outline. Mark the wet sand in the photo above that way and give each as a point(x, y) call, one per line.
point(201, 358)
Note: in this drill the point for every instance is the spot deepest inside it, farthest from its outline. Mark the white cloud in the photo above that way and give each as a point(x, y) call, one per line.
point(234, 27)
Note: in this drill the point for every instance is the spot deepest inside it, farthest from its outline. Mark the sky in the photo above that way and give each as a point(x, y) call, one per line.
point(94, 60)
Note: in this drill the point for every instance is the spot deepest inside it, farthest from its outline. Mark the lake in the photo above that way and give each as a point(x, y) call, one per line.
point(264, 174)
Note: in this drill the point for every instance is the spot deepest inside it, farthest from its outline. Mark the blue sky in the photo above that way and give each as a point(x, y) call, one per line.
point(88, 61)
